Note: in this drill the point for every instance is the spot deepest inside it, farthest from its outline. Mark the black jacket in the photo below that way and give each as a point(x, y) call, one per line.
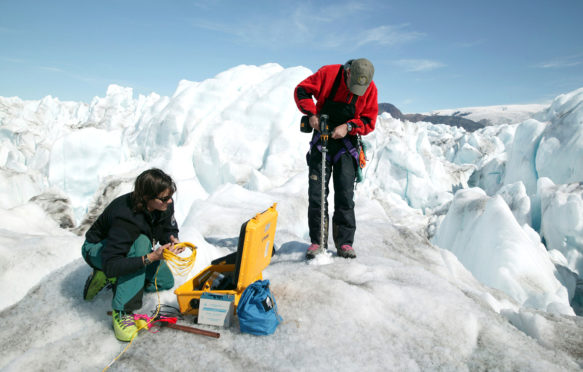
point(119, 225)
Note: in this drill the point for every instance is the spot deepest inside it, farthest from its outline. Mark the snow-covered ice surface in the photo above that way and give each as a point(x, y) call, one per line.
point(469, 245)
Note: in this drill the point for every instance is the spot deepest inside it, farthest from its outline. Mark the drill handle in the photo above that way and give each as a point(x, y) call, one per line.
point(324, 127)
point(324, 130)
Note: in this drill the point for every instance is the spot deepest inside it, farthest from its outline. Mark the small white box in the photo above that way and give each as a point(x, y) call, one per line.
point(216, 309)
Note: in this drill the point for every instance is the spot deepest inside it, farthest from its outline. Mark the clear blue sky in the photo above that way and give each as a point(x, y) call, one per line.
point(427, 54)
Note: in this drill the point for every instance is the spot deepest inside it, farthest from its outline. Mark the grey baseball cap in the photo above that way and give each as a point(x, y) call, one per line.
point(361, 73)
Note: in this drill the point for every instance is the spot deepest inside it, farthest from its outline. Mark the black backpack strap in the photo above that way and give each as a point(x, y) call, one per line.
point(336, 83)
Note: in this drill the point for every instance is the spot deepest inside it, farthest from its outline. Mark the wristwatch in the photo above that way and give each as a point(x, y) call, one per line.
point(146, 260)
point(349, 125)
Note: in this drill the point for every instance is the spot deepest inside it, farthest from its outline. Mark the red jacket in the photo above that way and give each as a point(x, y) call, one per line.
point(319, 86)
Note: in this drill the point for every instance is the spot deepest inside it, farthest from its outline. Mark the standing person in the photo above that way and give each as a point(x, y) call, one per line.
point(118, 247)
point(347, 94)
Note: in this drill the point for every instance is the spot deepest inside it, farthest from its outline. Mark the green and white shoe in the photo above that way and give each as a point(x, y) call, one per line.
point(124, 326)
point(95, 283)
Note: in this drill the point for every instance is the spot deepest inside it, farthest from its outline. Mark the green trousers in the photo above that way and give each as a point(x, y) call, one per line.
point(129, 289)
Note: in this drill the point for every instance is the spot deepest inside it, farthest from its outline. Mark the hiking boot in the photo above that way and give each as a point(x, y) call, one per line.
point(346, 251)
point(313, 251)
point(95, 283)
point(124, 325)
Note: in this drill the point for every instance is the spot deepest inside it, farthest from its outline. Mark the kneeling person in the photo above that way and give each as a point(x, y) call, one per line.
point(118, 247)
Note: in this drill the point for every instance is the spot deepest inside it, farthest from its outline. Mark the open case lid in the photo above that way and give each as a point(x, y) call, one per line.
point(255, 247)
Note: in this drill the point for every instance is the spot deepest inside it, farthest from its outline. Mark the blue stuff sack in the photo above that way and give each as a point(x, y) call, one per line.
point(257, 310)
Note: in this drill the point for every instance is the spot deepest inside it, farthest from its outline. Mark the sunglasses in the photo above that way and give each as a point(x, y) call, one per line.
point(165, 199)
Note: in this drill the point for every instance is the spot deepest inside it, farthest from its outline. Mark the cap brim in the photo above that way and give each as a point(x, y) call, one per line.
point(358, 89)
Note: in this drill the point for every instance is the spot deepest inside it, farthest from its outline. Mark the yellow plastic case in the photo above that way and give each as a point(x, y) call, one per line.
point(252, 257)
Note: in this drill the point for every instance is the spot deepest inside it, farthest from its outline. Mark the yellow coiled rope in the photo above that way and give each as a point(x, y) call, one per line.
point(179, 266)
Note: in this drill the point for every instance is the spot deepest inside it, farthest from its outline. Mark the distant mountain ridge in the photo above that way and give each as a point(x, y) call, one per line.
point(497, 114)
point(470, 118)
point(456, 120)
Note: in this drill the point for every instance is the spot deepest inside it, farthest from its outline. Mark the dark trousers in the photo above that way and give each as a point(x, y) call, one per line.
point(343, 175)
